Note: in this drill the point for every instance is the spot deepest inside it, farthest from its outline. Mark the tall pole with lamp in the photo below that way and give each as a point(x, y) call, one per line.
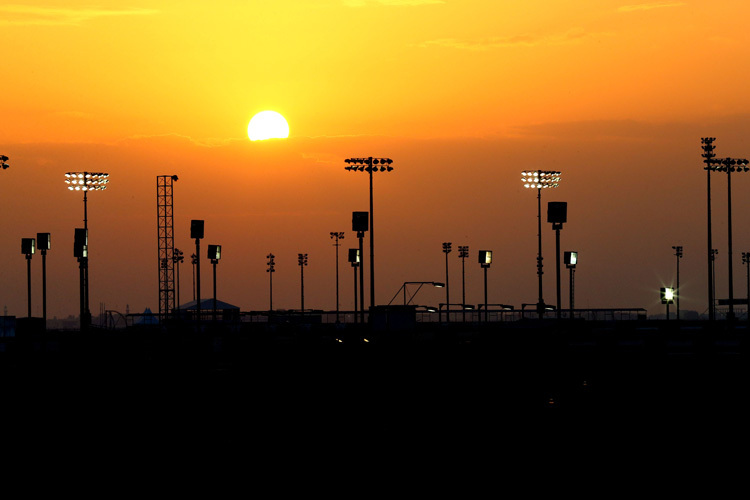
point(678, 254)
point(370, 165)
point(336, 236)
point(446, 251)
point(540, 179)
point(44, 243)
point(463, 252)
point(86, 182)
point(485, 259)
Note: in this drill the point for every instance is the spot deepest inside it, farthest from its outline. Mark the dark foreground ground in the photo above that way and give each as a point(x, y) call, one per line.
point(300, 398)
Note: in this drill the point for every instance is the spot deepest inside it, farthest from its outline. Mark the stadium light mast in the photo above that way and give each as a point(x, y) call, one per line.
point(370, 165)
point(86, 181)
point(540, 179)
point(729, 165)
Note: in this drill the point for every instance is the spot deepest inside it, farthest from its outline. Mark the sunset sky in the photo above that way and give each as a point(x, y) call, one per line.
point(462, 94)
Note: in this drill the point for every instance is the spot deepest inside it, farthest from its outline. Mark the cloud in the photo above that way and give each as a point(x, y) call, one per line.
point(29, 15)
point(410, 3)
point(572, 36)
point(649, 6)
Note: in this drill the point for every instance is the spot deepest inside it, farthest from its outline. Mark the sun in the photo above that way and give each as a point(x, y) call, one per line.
point(267, 125)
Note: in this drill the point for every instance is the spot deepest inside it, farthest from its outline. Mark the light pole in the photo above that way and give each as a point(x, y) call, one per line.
point(44, 243)
point(667, 297)
point(214, 254)
point(28, 247)
point(270, 270)
point(3, 159)
point(177, 258)
point(571, 259)
point(729, 165)
point(194, 262)
point(540, 179)
point(707, 144)
point(370, 165)
point(360, 224)
point(196, 233)
point(463, 252)
point(678, 254)
point(485, 259)
point(354, 260)
point(81, 253)
point(557, 214)
point(712, 256)
point(746, 262)
point(86, 181)
point(336, 236)
point(446, 251)
point(302, 261)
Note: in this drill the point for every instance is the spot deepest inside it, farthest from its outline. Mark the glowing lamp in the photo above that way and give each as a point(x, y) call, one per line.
point(214, 252)
point(485, 257)
point(354, 256)
point(667, 295)
point(571, 259)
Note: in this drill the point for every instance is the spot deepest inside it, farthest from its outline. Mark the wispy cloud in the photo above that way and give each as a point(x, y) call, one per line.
point(649, 6)
point(572, 36)
point(411, 3)
point(29, 15)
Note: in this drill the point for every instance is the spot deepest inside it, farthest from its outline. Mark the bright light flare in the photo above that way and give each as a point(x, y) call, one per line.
point(267, 125)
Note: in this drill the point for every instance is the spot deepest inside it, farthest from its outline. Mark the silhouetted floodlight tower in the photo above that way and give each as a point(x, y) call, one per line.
point(485, 260)
point(463, 253)
point(271, 263)
point(336, 236)
point(571, 259)
point(707, 144)
point(678, 255)
point(729, 165)
point(86, 182)
point(446, 251)
point(360, 224)
point(177, 258)
point(370, 165)
point(302, 261)
point(540, 179)
point(667, 297)
point(81, 253)
point(28, 247)
point(196, 233)
point(44, 243)
point(214, 255)
point(557, 214)
point(3, 159)
point(354, 260)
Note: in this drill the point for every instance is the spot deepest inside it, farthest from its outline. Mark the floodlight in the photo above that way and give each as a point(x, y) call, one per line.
point(485, 257)
point(667, 295)
point(214, 252)
point(43, 241)
point(28, 246)
point(571, 259)
point(354, 256)
point(86, 181)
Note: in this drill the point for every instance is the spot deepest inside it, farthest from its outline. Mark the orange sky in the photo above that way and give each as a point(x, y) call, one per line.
point(463, 95)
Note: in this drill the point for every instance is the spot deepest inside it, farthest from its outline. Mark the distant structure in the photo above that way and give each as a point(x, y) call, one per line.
point(165, 222)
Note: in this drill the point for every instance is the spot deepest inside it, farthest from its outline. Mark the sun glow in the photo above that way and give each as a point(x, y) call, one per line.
point(267, 125)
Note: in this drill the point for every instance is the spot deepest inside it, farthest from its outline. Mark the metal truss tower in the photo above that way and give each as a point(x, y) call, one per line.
point(164, 208)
